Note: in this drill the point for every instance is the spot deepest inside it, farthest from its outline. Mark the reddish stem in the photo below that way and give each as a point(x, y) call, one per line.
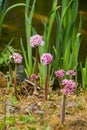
point(36, 61)
point(46, 83)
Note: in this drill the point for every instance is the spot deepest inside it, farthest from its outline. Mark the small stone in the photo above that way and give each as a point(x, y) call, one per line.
point(39, 112)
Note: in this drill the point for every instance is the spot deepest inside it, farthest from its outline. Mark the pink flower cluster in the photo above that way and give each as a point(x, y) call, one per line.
point(16, 57)
point(71, 72)
point(33, 77)
point(36, 40)
point(59, 73)
point(69, 86)
point(46, 58)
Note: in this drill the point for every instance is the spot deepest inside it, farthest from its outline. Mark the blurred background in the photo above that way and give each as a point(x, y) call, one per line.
point(14, 24)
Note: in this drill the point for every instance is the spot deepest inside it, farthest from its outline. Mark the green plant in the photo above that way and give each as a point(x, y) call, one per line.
point(10, 120)
point(47, 35)
point(4, 55)
point(27, 54)
point(32, 127)
point(31, 118)
point(13, 100)
point(2, 126)
point(68, 39)
point(84, 76)
point(14, 129)
point(80, 105)
point(4, 11)
point(25, 119)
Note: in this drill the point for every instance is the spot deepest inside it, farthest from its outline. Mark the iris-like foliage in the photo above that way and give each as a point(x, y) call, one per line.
point(84, 76)
point(4, 11)
point(27, 53)
point(68, 39)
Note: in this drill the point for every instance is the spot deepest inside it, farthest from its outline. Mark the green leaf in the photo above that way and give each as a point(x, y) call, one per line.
point(1, 60)
point(25, 57)
point(13, 100)
point(48, 127)
point(23, 119)
point(66, 58)
point(10, 120)
point(2, 125)
point(52, 18)
point(31, 118)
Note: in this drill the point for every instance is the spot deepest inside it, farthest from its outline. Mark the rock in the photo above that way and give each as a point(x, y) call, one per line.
point(39, 112)
point(71, 104)
point(10, 108)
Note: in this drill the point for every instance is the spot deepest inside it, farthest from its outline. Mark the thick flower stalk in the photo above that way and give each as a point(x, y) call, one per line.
point(17, 58)
point(68, 88)
point(35, 41)
point(46, 59)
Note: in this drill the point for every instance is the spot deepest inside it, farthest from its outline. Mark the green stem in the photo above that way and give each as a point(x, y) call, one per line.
point(46, 83)
point(63, 105)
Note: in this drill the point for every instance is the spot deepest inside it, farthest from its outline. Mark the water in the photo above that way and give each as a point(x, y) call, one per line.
point(13, 25)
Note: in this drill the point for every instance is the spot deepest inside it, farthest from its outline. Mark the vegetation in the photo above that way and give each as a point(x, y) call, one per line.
point(33, 85)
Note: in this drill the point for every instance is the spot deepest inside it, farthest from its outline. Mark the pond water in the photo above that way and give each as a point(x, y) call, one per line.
point(13, 25)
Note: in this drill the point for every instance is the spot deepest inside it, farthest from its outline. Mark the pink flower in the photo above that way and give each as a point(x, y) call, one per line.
point(71, 72)
point(36, 40)
point(65, 81)
point(16, 57)
point(69, 86)
point(46, 58)
point(59, 73)
point(34, 77)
